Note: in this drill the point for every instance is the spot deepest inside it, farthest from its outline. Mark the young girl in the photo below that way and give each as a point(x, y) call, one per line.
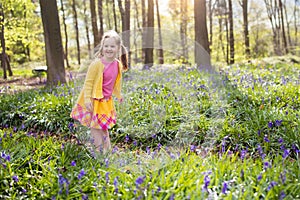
point(94, 107)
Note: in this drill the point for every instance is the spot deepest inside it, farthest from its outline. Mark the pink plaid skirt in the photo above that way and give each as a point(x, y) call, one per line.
point(102, 117)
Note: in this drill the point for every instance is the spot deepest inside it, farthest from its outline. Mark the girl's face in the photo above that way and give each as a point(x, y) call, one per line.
point(110, 49)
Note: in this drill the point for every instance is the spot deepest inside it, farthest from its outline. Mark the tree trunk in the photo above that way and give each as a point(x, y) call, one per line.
point(76, 30)
point(283, 27)
point(100, 13)
point(183, 28)
point(125, 17)
point(246, 30)
point(149, 36)
point(137, 27)
point(160, 51)
point(295, 23)
point(202, 57)
point(115, 16)
point(144, 31)
point(66, 33)
point(4, 57)
point(231, 36)
point(94, 23)
point(53, 43)
point(87, 31)
point(108, 14)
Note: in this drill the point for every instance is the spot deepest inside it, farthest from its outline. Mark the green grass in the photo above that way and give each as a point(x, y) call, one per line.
point(180, 133)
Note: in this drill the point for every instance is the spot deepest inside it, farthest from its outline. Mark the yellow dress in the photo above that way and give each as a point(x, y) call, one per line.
point(103, 115)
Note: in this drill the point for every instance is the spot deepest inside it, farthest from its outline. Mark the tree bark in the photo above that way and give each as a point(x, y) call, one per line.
point(115, 16)
point(283, 27)
point(87, 31)
point(244, 5)
point(94, 23)
point(100, 13)
point(66, 52)
point(149, 36)
point(231, 35)
point(202, 55)
point(76, 29)
point(53, 42)
point(144, 32)
point(160, 51)
point(183, 28)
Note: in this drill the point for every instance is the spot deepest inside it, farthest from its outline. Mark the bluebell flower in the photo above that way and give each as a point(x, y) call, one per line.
point(206, 183)
point(270, 124)
point(192, 147)
point(139, 180)
point(282, 195)
point(286, 153)
point(259, 177)
point(272, 184)
point(73, 163)
point(107, 177)
point(224, 189)
point(278, 122)
point(243, 154)
point(81, 174)
point(15, 178)
point(266, 139)
point(267, 165)
point(283, 177)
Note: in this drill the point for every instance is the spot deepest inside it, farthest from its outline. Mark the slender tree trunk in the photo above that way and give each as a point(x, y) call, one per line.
point(295, 23)
point(100, 13)
point(115, 16)
point(287, 25)
point(211, 9)
point(244, 5)
point(183, 28)
point(53, 42)
point(231, 36)
point(66, 33)
point(202, 58)
point(76, 30)
point(144, 29)
point(283, 27)
point(160, 50)
point(108, 14)
point(125, 17)
point(94, 23)
point(149, 36)
point(87, 31)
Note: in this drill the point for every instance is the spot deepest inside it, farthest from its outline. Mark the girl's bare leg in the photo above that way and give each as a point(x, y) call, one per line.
point(101, 140)
point(97, 138)
point(106, 141)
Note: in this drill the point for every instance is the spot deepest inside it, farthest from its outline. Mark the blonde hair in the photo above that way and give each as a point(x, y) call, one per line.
point(123, 54)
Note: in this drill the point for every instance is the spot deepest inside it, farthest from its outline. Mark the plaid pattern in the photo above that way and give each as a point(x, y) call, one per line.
point(103, 116)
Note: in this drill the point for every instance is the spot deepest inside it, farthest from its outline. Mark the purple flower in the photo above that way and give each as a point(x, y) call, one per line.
point(135, 143)
point(270, 124)
point(261, 153)
point(280, 140)
point(73, 163)
point(278, 122)
point(206, 183)
point(15, 178)
point(224, 189)
point(192, 147)
point(283, 177)
point(116, 184)
point(107, 177)
point(282, 195)
point(267, 165)
point(286, 153)
point(127, 138)
point(106, 162)
point(272, 184)
point(266, 139)
point(148, 150)
point(243, 154)
point(85, 197)
point(259, 177)
point(158, 146)
point(139, 180)
point(81, 174)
